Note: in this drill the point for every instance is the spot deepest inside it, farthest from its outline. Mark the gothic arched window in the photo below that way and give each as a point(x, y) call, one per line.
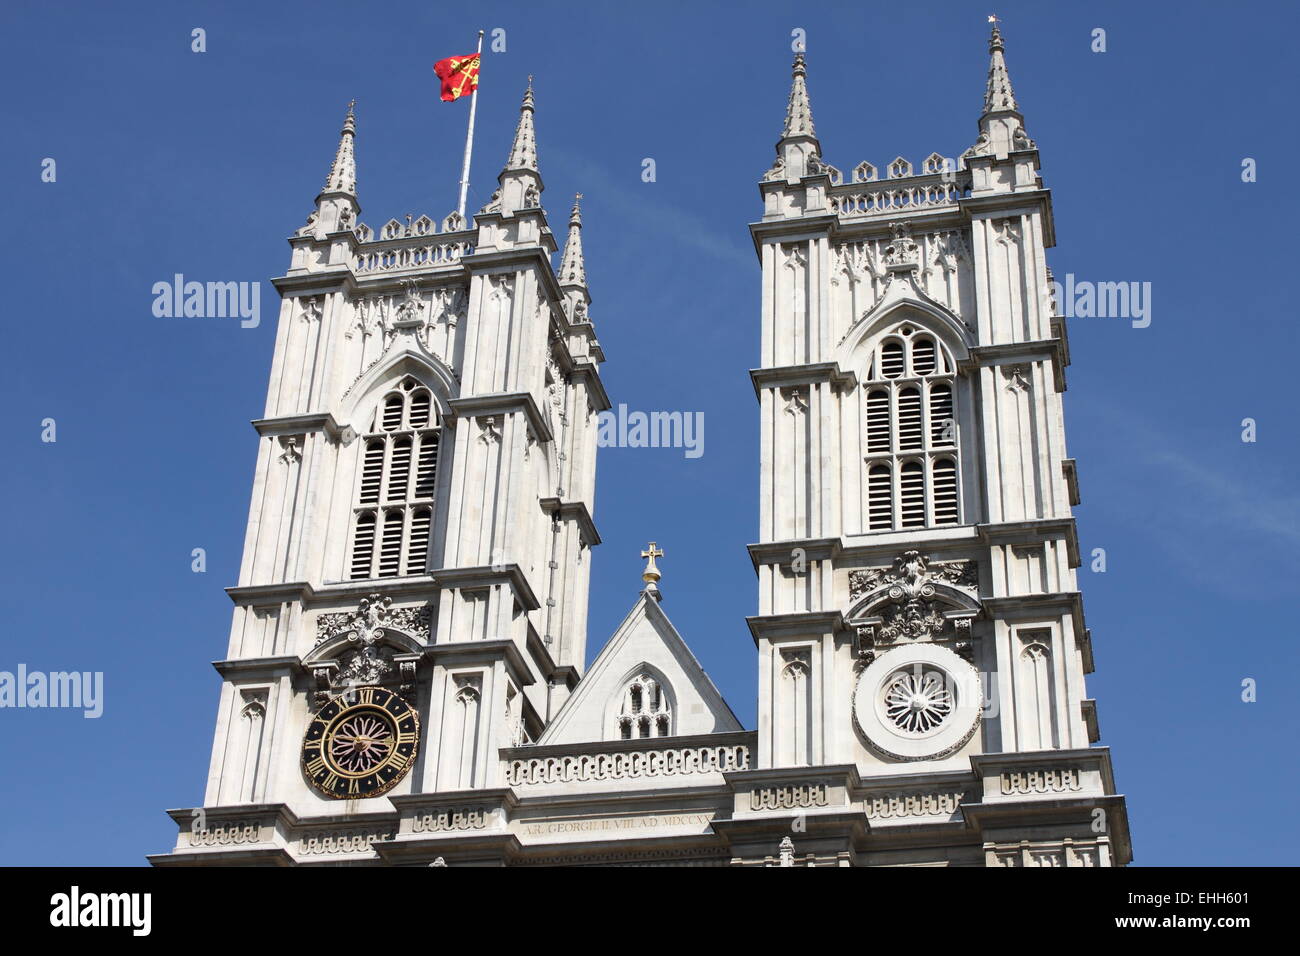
point(393, 516)
point(644, 711)
point(911, 434)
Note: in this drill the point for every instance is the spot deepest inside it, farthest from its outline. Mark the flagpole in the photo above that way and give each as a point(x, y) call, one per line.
point(469, 136)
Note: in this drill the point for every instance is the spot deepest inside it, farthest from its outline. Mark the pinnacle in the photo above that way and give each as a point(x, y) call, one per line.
point(573, 268)
point(343, 173)
point(998, 96)
point(523, 152)
point(798, 114)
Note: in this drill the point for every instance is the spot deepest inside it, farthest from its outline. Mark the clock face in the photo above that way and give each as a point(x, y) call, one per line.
point(360, 744)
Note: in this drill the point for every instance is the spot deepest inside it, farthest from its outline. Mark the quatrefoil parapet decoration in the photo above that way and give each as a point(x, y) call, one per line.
point(914, 600)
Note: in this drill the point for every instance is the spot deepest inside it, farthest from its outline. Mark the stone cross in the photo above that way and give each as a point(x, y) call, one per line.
point(651, 574)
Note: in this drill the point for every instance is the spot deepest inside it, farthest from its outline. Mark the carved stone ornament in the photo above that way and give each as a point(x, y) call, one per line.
point(367, 622)
point(292, 453)
point(1020, 139)
point(902, 253)
point(910, 612)
point(1017, 377)
point(776, 172)
point(490, 430)
point(983, 146)
point(912, 570)
point(410, 313)
point(372, 661)
point(786, 852)
point(311, 310)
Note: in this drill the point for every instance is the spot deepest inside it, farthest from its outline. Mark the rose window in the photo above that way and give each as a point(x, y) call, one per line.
point(917, 702)
point(361, 743)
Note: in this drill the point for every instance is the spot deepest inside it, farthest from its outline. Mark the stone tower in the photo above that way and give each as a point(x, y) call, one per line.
point(920, 629)
point(405, 679)
point(420, 529)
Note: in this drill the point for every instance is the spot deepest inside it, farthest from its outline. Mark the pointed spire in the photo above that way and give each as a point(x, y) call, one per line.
point(1002, 128)
point(998, 96)
point(797, 151)
point(573, 270)
point(523, 153)
point(798, 114)
point(343, 174)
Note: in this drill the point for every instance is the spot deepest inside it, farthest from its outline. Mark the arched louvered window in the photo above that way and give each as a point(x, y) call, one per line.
point(393, 518)
point(644, 710)
point(911, 434)
point(878, 419)
point(880, 497)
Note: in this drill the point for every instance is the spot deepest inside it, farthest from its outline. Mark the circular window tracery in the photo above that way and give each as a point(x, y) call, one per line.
point(917, 701)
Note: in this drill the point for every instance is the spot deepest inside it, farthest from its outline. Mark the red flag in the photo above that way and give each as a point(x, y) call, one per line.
point(459, 75)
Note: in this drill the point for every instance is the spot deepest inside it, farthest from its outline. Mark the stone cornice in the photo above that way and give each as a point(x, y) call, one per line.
point(299, 425)
point(990, 205)
point(1038, 350)
point(797, 624)
point(260, 595)
point(851, 826)
point(1023, 815)
point(793, 229)
point(262, 856)
point(848, 775)
point(503, 403)
point(884, 546)
point(278, 812)
point(1068, 602)
point(589, 375)
point(573, 511)
point(461, 653)
point(418, 586)
point(1070, 471)
point(341, 279)
point(469, 846)
point(1088, 708)
point(813, 373)
point(486, 576)
point(987, 765)
point(253, 667)
point(954, 541)
point(499, 797)
point(782, 552)
point(492, 260)
point(540, 653)
point(920, 219)
point(430, 278)
point(1060, 330)
point(1039, 529)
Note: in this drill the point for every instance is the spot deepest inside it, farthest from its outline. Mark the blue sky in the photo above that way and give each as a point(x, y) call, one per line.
point(171, 161)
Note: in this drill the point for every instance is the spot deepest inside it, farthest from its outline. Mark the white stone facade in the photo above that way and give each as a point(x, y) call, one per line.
point(421, 528)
